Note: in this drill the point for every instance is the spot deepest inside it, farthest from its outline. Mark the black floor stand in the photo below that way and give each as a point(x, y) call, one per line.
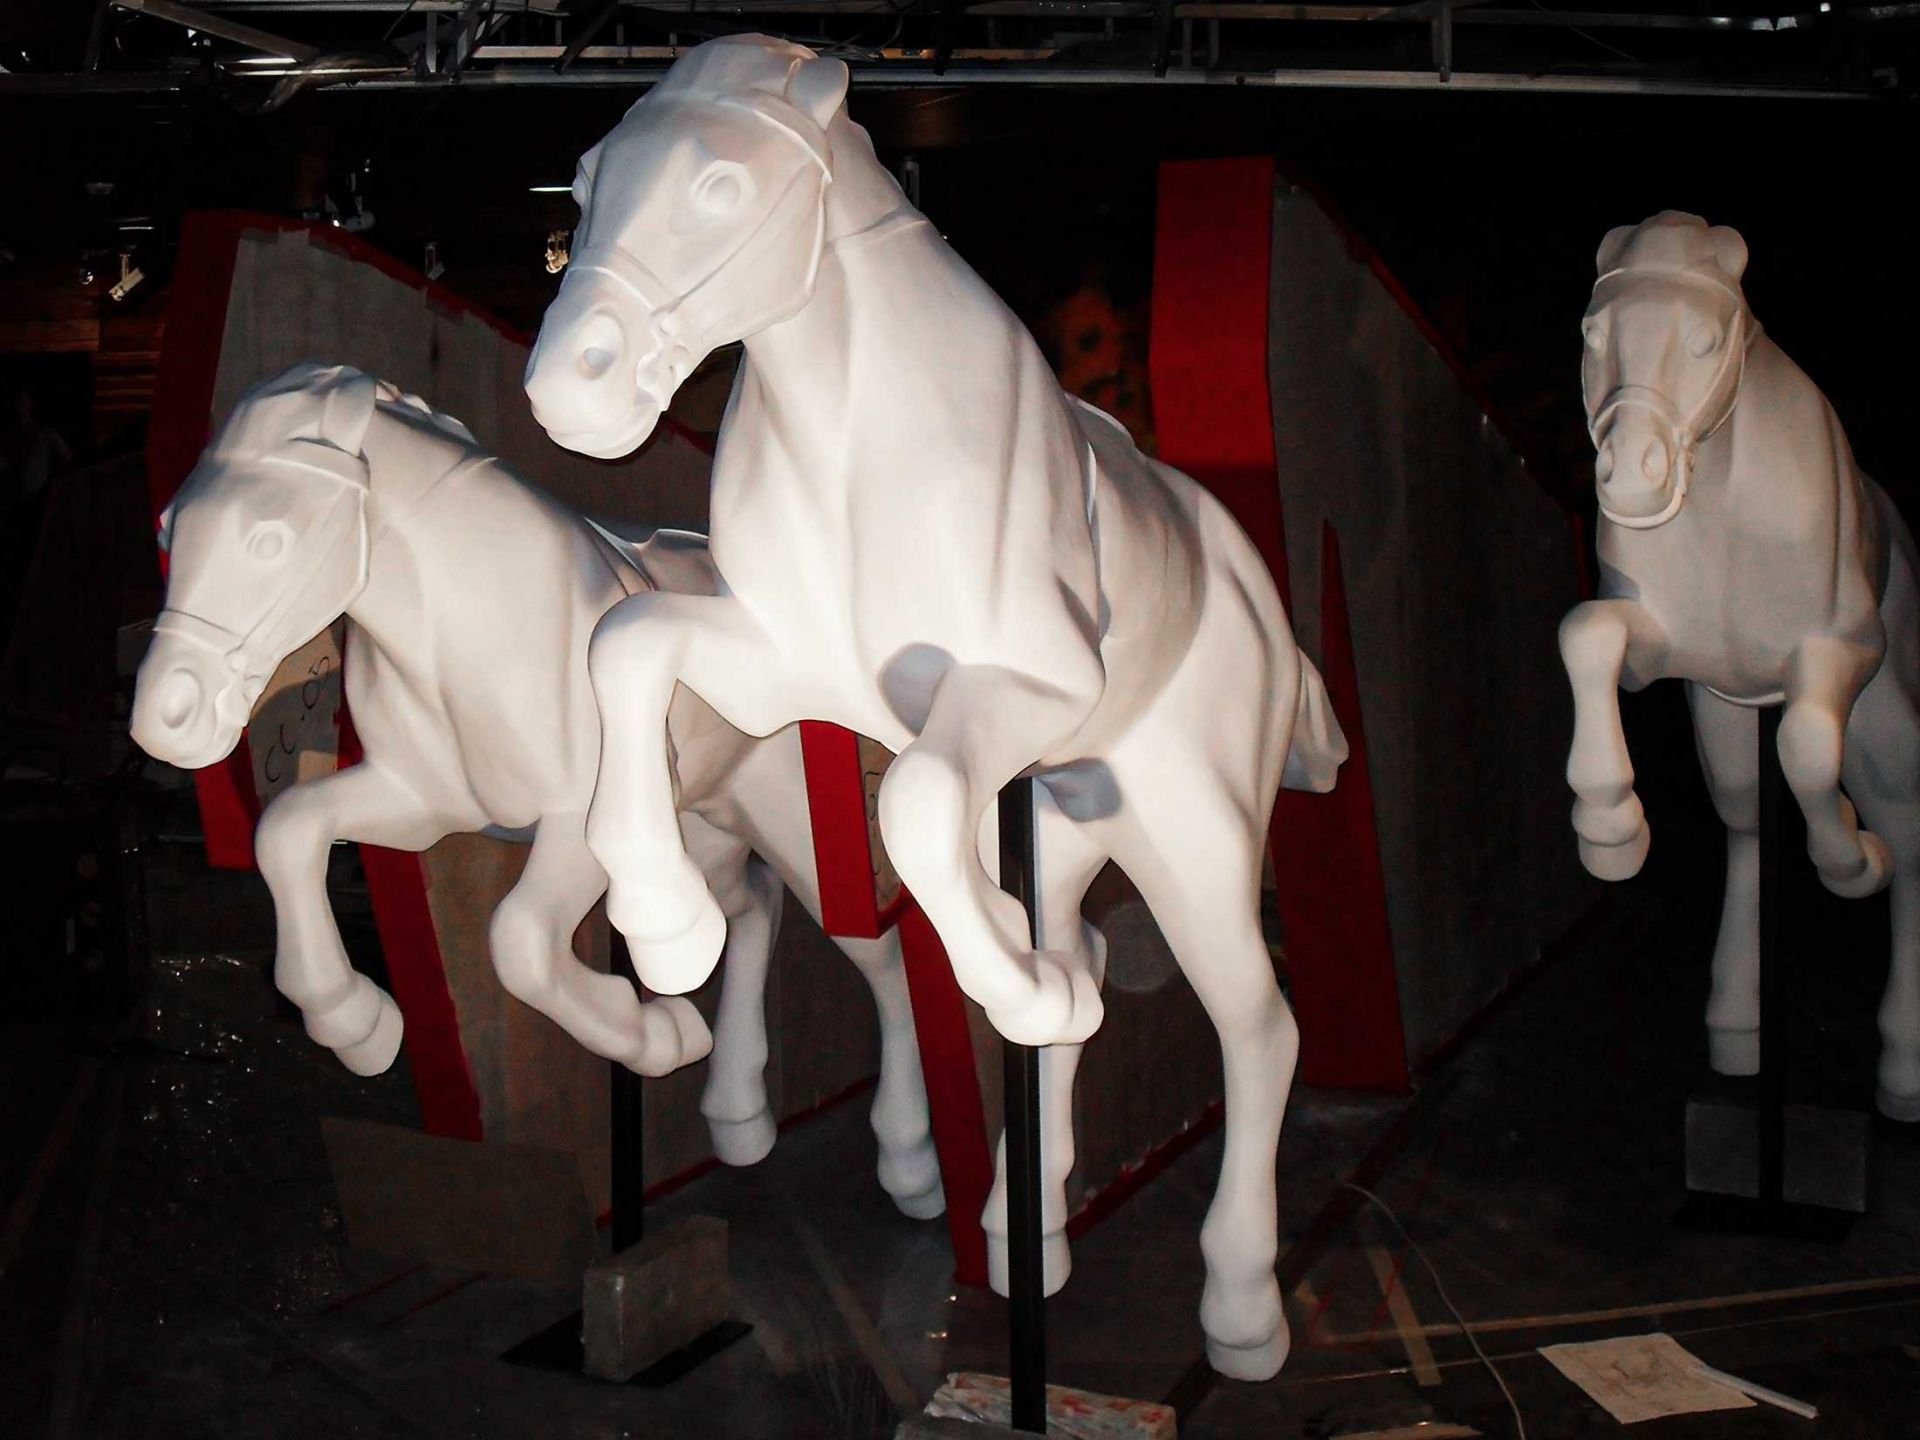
point(1739, 1139)
point(1026, 1292)
point(560, 1346)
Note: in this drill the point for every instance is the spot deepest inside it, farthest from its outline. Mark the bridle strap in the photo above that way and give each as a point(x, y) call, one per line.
point(1689, 430)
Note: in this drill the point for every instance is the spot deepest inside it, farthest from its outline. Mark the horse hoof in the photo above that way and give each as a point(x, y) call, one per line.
point(1904, 1108)
point(1733, 1052)
point(1250, 1362)
point(375, 1054)
point(682, 962)
point(1870, 878)
point(742, 1142)
point(1056, 1263)
point(1616, 862)
point(673, 1034)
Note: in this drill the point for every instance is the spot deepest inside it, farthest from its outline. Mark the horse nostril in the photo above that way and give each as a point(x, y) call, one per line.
point(178, 700)
point(1603, 464)
point(601, 343)
point(1654, 464)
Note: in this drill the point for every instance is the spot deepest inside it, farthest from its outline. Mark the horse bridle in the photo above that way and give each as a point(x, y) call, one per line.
point(660, 304)
point(249, 658)
point(1690, 430)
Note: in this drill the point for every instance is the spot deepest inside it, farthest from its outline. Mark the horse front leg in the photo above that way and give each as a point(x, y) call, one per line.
point(1824, 679)
point(1727, 736)
point(1604, 643)
point(531, 937)
point(985, 726)
point(656, 896)
point(343, 1009)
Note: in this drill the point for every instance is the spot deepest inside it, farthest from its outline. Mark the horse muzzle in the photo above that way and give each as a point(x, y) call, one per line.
point(182, 704)
point(601, 371)
point(1641, 469)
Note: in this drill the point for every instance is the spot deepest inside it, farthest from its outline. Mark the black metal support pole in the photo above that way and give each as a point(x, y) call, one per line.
point(1774, 1017)
point(629, 1169)
point(1026, 1297)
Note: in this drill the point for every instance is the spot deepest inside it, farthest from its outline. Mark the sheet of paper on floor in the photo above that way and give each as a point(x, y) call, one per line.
point(1642, 1377)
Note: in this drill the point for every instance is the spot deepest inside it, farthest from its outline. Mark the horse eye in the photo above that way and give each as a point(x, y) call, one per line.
point(267, 543)
point(721, 190)
point(1593, 335)
point(1703, 340)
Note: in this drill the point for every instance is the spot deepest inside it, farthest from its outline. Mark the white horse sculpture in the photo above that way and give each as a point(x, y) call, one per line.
point(1743, 551)
point(470, 598)
point(923, 539)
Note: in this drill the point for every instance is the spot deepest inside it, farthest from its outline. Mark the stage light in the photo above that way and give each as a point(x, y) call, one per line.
point(549, 189)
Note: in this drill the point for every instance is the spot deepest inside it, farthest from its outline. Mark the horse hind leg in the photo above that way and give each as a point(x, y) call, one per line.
point(1066, 859)
point(1883, 777)
point(908, 1166)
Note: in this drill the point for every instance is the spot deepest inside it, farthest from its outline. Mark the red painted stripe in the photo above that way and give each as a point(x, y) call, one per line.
point(1214, 414)
point(953, 1092)
point(842, 851)
point(1128, 1183)
point(1333, 892)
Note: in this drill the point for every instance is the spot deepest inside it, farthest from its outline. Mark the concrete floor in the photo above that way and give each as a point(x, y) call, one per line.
point(173, 1262)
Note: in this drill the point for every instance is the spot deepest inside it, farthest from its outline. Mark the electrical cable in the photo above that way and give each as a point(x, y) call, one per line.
point(1519, 1425)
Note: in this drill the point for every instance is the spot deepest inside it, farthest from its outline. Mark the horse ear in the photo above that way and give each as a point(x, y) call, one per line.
point(819, 87)
point(1612, 247)
point(1729, 250)
point(349, 410)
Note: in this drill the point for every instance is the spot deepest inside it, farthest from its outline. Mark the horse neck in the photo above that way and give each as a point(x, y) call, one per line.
point(870, 276)
point(405, 462)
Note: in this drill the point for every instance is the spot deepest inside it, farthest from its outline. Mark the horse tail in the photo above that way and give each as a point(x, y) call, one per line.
point(1319, 746)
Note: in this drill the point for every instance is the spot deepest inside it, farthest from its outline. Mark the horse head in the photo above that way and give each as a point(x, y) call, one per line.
point(702, 220)
point(267, 543)
point(1667, 334)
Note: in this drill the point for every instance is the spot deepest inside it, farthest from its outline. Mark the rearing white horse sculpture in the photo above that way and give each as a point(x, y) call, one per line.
point(1743, 551)
point(470, 598)
point(923, 539)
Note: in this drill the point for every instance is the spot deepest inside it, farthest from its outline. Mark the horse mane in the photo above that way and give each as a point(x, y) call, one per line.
point(392, 395)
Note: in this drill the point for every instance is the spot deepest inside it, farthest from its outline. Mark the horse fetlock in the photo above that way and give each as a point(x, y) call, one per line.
point(347, 1017)
point(1867, 875)
point(1062, 1006)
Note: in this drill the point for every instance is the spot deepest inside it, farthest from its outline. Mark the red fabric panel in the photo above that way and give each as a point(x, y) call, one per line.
point(953, 1092)
point(842, 853)
point(1213, 412)
point(1333, 891)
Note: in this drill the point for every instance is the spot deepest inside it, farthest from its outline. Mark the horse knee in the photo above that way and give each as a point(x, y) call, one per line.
point(289, 835)
point(1591, 639)
point(923, 812)
point(521, 957)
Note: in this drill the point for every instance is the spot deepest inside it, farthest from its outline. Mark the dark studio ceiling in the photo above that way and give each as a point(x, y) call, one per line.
point(264, 50)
